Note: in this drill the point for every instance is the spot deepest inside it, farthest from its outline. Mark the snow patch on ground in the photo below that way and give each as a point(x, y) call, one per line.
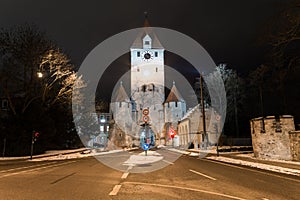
point(141, 158)
point(83, 154)
point(257, 165)
point(251, 155)
point(179, 151)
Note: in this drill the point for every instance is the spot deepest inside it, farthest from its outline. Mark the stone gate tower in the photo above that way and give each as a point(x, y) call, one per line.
point(148, 78)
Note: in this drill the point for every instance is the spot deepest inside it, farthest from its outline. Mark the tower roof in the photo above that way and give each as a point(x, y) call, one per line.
point(120, 95)
point(174, 95)
point(147, 30)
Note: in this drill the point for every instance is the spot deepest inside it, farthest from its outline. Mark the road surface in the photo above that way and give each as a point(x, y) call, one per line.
point(184, 178)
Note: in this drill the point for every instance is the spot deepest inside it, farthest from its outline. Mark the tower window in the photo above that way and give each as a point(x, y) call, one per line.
point(176, 104)
point(120, 104)
point(156, 69)
point(138, 54)
point(147, 42)
point(138, 69)
point(101, 128)
point(144, 88)
point(156, 54)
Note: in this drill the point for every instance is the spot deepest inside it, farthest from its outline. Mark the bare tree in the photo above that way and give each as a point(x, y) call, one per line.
point(33, 69)
point(234, 91)
point(282, 34)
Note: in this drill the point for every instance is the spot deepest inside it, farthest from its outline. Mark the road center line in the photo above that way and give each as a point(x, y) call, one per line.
point(206, 176)
point(168, 162)
point(124, 176)
point(115, 190)
point(185, 188)
point(35, 169)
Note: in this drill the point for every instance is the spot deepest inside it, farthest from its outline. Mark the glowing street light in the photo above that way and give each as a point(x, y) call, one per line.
point(39, 74)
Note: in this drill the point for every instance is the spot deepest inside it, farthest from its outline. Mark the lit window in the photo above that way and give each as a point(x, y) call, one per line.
point(102, 119)
point(107, 128)
point(102, 128)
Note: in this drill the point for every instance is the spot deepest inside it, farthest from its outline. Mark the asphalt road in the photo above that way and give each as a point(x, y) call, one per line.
point(184, 178)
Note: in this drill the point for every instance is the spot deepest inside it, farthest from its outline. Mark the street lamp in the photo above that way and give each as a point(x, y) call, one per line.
point(45, 60)
point(39, 74)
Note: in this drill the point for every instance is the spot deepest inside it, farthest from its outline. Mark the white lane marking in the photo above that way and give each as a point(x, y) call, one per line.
point(115, 190)
point(252, 170)
point(35, 169)
point(206, 176)
point(124, 176)
point(130, 167)
point(8, 170)
point(185, 188)
point(170, 163)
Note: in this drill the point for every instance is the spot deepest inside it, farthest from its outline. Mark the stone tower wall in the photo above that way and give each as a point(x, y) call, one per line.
point(273, 141)
point(295, 144)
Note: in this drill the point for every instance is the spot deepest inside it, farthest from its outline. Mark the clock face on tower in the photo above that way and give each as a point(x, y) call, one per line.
point(147, 55)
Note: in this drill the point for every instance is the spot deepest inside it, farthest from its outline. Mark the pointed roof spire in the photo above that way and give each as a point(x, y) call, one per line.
point(174, 95)
point(146, 22)
point(120, 95)
point(147, 30)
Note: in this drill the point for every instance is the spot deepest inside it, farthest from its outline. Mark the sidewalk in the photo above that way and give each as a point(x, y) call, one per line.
point(47, 154)
point(247, 159)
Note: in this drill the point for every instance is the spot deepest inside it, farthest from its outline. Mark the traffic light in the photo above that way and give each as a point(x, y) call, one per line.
point(35, 136)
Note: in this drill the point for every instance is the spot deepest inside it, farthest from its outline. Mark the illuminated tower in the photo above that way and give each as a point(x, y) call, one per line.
point(147, 77)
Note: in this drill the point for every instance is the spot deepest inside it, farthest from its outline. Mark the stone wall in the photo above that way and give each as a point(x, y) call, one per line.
point(272, 140)
point(295, 144)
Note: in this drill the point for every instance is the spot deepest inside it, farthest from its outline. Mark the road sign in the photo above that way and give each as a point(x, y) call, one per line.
point(145, 118)
point(172, 133)
point(146, 146)
point(146, 111)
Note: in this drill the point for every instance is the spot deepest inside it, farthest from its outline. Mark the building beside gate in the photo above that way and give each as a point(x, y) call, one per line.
point(190, 128)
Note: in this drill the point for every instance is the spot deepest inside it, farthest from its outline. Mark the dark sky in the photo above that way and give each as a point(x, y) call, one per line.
point(228, 30)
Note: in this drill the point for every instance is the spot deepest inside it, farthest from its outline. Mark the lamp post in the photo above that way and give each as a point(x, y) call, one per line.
point(205, 139)
point(4, 147)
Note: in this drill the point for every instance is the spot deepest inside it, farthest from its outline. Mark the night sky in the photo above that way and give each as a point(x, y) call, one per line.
point(228, 30)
